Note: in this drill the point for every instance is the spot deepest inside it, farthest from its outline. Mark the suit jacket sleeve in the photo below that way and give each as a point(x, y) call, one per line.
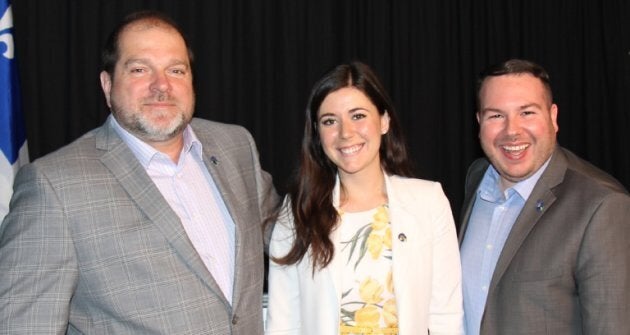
point(603, 268)
point(37, 259)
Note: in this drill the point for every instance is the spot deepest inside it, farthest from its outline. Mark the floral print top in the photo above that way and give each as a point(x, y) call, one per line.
point(367, 287)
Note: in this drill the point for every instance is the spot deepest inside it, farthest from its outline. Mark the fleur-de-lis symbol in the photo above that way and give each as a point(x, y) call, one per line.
point(7, 37)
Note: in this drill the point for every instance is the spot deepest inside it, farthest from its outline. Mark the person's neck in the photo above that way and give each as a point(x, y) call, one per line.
point(360, 192)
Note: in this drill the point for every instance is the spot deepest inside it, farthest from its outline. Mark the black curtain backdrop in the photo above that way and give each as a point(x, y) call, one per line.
point(256, 61)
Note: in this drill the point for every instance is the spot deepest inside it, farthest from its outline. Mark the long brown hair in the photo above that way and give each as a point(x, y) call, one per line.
point(310, 192)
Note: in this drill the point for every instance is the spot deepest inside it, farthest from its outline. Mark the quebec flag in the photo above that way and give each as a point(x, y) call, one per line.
point(13, 149)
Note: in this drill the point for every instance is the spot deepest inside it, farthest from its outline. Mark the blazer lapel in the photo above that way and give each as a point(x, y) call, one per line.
point(221, 171)
point(132, 176)
point(473, 179)
point(539, 201)
point(337, 264)
point(403, 222)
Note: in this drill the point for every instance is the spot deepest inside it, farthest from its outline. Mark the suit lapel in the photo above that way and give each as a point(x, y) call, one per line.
point(132, 177)
point(473, 179)
point(220, 169)
point(539, 201)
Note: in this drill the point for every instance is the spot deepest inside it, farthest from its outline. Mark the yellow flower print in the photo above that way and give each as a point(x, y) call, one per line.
point(381, 218)
point(387, 239)
point(390, 314)
point(367, 316)
point(390, 282)
point(370, 237)
point(370, 291)
point(374, 245)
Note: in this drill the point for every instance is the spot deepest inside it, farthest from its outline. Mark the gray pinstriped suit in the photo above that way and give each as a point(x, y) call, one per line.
point(91, 246)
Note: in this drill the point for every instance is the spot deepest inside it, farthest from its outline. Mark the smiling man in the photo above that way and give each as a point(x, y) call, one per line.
point(545, 236)
point(149, 224)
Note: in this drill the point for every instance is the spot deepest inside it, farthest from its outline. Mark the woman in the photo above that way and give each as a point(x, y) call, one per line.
point(359, 247)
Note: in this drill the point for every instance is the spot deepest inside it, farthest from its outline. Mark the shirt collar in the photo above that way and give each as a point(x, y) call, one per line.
point(490, 187)
point(145, 153)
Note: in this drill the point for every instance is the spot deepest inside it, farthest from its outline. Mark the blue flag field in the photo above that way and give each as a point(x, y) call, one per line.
point(13, 149)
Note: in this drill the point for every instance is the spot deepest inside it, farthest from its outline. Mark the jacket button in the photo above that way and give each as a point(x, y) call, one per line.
point(234, 319)
point(402, 237)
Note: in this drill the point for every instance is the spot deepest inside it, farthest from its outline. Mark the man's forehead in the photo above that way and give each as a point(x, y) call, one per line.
point(133, 34)
point(148, 23)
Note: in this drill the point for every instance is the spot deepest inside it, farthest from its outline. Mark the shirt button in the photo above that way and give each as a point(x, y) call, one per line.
point(489, 246)
point(484, 288)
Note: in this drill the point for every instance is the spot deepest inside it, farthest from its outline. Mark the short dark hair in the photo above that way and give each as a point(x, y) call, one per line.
point(111, 51)
point(515, 67)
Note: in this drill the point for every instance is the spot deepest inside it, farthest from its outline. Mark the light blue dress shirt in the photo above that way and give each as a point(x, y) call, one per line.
point(493, 215)
point(191, 192)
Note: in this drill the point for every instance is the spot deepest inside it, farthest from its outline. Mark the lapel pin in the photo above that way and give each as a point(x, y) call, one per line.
point(214, 160)
point(540, 206)
point(402, 237)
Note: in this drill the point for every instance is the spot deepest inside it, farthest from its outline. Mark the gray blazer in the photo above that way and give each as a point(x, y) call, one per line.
point(565, 267)
point(91, 246)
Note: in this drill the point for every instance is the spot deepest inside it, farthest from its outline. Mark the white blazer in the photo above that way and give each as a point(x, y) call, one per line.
point(426, 269)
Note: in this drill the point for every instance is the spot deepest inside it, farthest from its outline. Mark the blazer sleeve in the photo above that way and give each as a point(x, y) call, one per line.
point(446, 308)
point(283, 313)
point(603, 268)
point(38, 264)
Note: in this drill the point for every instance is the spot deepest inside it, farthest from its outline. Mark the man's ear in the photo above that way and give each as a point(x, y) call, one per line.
point(553, 114)
point(106, 85)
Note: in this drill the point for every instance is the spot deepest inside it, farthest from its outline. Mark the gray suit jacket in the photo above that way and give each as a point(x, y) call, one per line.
point(91, 246)
point(565, 267)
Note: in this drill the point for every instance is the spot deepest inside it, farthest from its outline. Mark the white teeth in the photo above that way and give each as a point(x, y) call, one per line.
point(515, 147)
point(350, 150)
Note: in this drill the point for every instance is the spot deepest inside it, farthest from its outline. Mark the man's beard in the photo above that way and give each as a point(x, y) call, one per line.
point(142, 127)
